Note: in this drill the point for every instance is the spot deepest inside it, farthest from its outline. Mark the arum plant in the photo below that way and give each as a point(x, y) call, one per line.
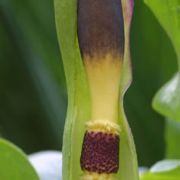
point(94, 43)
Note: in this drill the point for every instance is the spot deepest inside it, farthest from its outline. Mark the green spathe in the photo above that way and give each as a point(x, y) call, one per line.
point(79, 105)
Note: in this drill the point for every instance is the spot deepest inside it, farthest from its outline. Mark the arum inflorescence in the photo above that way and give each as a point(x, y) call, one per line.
point(101, 40)
point(94, 42)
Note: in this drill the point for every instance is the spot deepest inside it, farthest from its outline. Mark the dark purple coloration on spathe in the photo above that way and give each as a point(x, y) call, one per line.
point(131, 2)
point(100, 27)
point(100, 152)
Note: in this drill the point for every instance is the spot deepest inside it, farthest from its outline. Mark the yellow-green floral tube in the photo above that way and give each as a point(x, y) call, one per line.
point(94, 43)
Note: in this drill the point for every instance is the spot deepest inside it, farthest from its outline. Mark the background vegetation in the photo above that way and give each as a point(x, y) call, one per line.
point(32, 85)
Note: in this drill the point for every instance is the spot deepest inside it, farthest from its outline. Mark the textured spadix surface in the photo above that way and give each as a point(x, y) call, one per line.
point(100, 152)
point(83, 105)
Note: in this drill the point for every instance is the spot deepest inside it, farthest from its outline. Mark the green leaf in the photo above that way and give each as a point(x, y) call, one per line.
point(153, 62)
point(172, 135)
point(167, 99)
point(168, 14)
point(163, 170)
point(14, 163)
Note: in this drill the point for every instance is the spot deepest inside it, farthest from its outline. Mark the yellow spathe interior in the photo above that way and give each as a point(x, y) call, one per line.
point(104, 76)
point(96, 176)
point(103, 73)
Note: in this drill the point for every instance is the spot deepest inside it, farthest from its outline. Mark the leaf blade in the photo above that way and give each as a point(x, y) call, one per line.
point(14, 164)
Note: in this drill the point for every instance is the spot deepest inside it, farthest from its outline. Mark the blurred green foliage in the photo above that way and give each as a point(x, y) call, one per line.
point(32, 93)
point(163, 170)
point(154, 62)
point(167, 99)
point(32, 85)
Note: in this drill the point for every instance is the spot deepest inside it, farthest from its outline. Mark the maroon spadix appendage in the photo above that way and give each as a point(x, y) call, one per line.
point(100, 152)
point(100, 27)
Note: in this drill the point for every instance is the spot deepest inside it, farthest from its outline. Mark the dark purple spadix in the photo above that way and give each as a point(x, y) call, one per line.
point(100, 153)
point(100, 27)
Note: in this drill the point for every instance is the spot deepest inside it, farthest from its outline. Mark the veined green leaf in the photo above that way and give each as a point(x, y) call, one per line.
point(14, 164)
point(79, 108)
